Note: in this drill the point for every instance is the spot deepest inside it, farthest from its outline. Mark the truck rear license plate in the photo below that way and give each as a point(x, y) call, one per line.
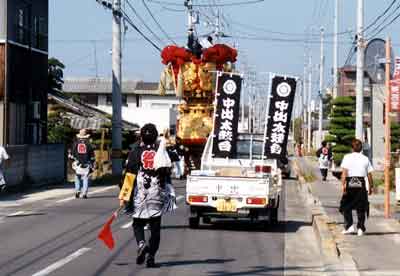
point(226, 205)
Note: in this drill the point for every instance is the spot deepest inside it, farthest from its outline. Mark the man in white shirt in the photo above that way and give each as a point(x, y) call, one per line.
point(3, 156)
point(356, 167)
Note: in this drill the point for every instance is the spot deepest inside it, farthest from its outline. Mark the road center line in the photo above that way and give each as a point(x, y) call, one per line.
point(125, 226)
point(62, 262)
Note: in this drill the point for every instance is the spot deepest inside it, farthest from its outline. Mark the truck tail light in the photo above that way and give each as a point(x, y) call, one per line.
point(201, 199)
point(256, 200)
point(263, 169)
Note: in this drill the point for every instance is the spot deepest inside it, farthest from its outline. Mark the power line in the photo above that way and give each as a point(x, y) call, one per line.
point(288, 40)
point(285, 33)
point(144, 23)
point(155, 20)
point(239, 3)
point(139, 31)
point(377, 28)
point(377, 31)
point(380, 16)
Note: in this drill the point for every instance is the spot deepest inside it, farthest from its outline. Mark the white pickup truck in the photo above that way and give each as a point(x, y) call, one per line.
point(248, 186)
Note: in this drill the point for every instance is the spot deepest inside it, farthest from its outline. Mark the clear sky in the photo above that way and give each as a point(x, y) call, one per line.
point(80, 33)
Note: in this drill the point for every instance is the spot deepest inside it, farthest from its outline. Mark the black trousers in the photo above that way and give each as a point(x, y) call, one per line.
point(324, 173)
point(348, 219)
point(155, 229)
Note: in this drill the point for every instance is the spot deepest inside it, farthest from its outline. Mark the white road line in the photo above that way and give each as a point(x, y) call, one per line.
point(126, 226)
point(16, 214)
point(61, 262)
point(94, 192)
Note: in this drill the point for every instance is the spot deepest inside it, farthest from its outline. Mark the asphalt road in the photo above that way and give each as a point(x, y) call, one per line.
point(51, 233)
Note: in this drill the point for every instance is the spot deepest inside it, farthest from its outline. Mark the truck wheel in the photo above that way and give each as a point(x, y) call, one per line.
point(273, 216)
point(194, 222)
point(207, 220)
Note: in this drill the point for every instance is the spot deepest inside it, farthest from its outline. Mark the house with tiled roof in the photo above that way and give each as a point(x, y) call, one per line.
point(141, 101)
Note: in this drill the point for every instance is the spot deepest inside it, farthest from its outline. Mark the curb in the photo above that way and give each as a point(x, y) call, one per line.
point(336, 262)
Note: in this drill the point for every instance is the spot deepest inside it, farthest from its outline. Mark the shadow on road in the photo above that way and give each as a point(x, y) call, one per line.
point(193, 262)
point(264, 270)
point(380, 233)
point(289, 226)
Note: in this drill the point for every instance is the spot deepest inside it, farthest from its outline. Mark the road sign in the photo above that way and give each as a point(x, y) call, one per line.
point(395, 95)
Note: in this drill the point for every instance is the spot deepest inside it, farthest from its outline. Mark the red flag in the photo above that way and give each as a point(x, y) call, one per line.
point(106, 235)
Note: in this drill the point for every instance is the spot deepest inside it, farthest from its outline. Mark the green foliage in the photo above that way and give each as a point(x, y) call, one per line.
point(55, 74)
point(59, 129)
point(297, 126)
point(395, 136)
point(327, 103)
point(342, 127)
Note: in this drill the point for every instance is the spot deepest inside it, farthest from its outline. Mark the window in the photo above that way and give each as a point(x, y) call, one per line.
point(124, 100)
point(109, 100)
point(138, 103)
point(89, 99)
point(21, 26)
point(243, 149)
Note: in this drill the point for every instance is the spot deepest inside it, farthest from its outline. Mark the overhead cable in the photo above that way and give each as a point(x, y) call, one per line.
point(127, 18)
point(144, 22)
point(380, 16)
point(239, 3)
point(155, 20)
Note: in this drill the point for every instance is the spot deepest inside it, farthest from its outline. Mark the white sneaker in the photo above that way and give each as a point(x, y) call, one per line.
point(350, 230)
point(360, 232)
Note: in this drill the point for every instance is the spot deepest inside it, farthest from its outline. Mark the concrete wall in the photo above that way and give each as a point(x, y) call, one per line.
point(35, 165)
point(378, 127)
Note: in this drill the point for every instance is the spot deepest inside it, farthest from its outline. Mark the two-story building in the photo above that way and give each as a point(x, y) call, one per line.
point(141, 101)
point(23, 71)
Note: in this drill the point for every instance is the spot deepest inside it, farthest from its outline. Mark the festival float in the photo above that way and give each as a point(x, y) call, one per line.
point(193, 75)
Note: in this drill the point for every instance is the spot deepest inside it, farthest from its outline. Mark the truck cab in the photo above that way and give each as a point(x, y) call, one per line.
point(246, 186)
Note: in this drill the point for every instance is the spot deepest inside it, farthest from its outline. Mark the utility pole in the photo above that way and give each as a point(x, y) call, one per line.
point(309, 132)
point(360, 70)
point(387, 130)
point(335, 49)
point(304, 94)
point(321, 84)
point(116, 155)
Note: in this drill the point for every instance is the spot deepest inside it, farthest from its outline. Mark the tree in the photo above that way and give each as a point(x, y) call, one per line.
point(297, 127)
point(59, 129)
point(55, 74)
point(327, 103)
point(395, 137)
point(342, 126)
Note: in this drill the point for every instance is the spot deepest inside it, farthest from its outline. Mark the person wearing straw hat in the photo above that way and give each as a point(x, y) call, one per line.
point(83, 156)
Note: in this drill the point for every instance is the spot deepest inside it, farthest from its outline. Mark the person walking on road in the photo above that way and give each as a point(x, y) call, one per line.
point(83, 156)
point(356, 167)
point(3, 157)
point(149, 194)
point(324, 155)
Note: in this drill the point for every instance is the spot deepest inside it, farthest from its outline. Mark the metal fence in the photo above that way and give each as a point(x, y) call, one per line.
point(35, 165)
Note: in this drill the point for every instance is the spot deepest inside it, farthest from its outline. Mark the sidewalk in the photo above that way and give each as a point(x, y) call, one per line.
point(375, 253)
